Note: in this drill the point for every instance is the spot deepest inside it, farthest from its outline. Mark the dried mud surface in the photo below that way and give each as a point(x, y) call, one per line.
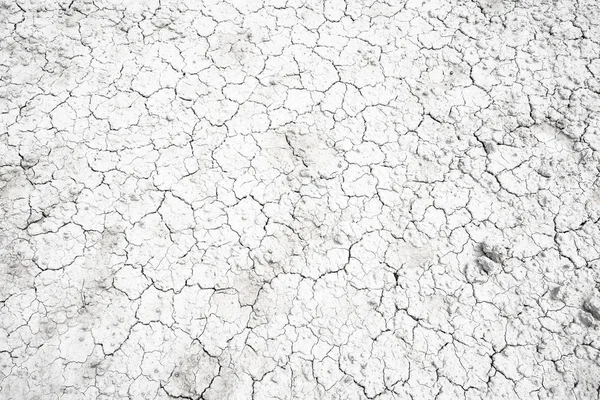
point(296, 199)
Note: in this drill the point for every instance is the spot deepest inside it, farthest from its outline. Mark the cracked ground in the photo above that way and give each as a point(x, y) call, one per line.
point(299, 199)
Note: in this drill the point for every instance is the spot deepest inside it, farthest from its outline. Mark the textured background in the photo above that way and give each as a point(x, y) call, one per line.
point(299, 199)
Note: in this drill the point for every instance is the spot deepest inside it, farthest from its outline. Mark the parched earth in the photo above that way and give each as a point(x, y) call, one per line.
point(301, 199)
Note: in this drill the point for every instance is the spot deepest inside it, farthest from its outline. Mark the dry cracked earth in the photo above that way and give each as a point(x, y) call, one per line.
point(298, 199)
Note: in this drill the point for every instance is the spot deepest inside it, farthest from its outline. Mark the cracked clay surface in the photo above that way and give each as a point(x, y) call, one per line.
point(299, 199)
